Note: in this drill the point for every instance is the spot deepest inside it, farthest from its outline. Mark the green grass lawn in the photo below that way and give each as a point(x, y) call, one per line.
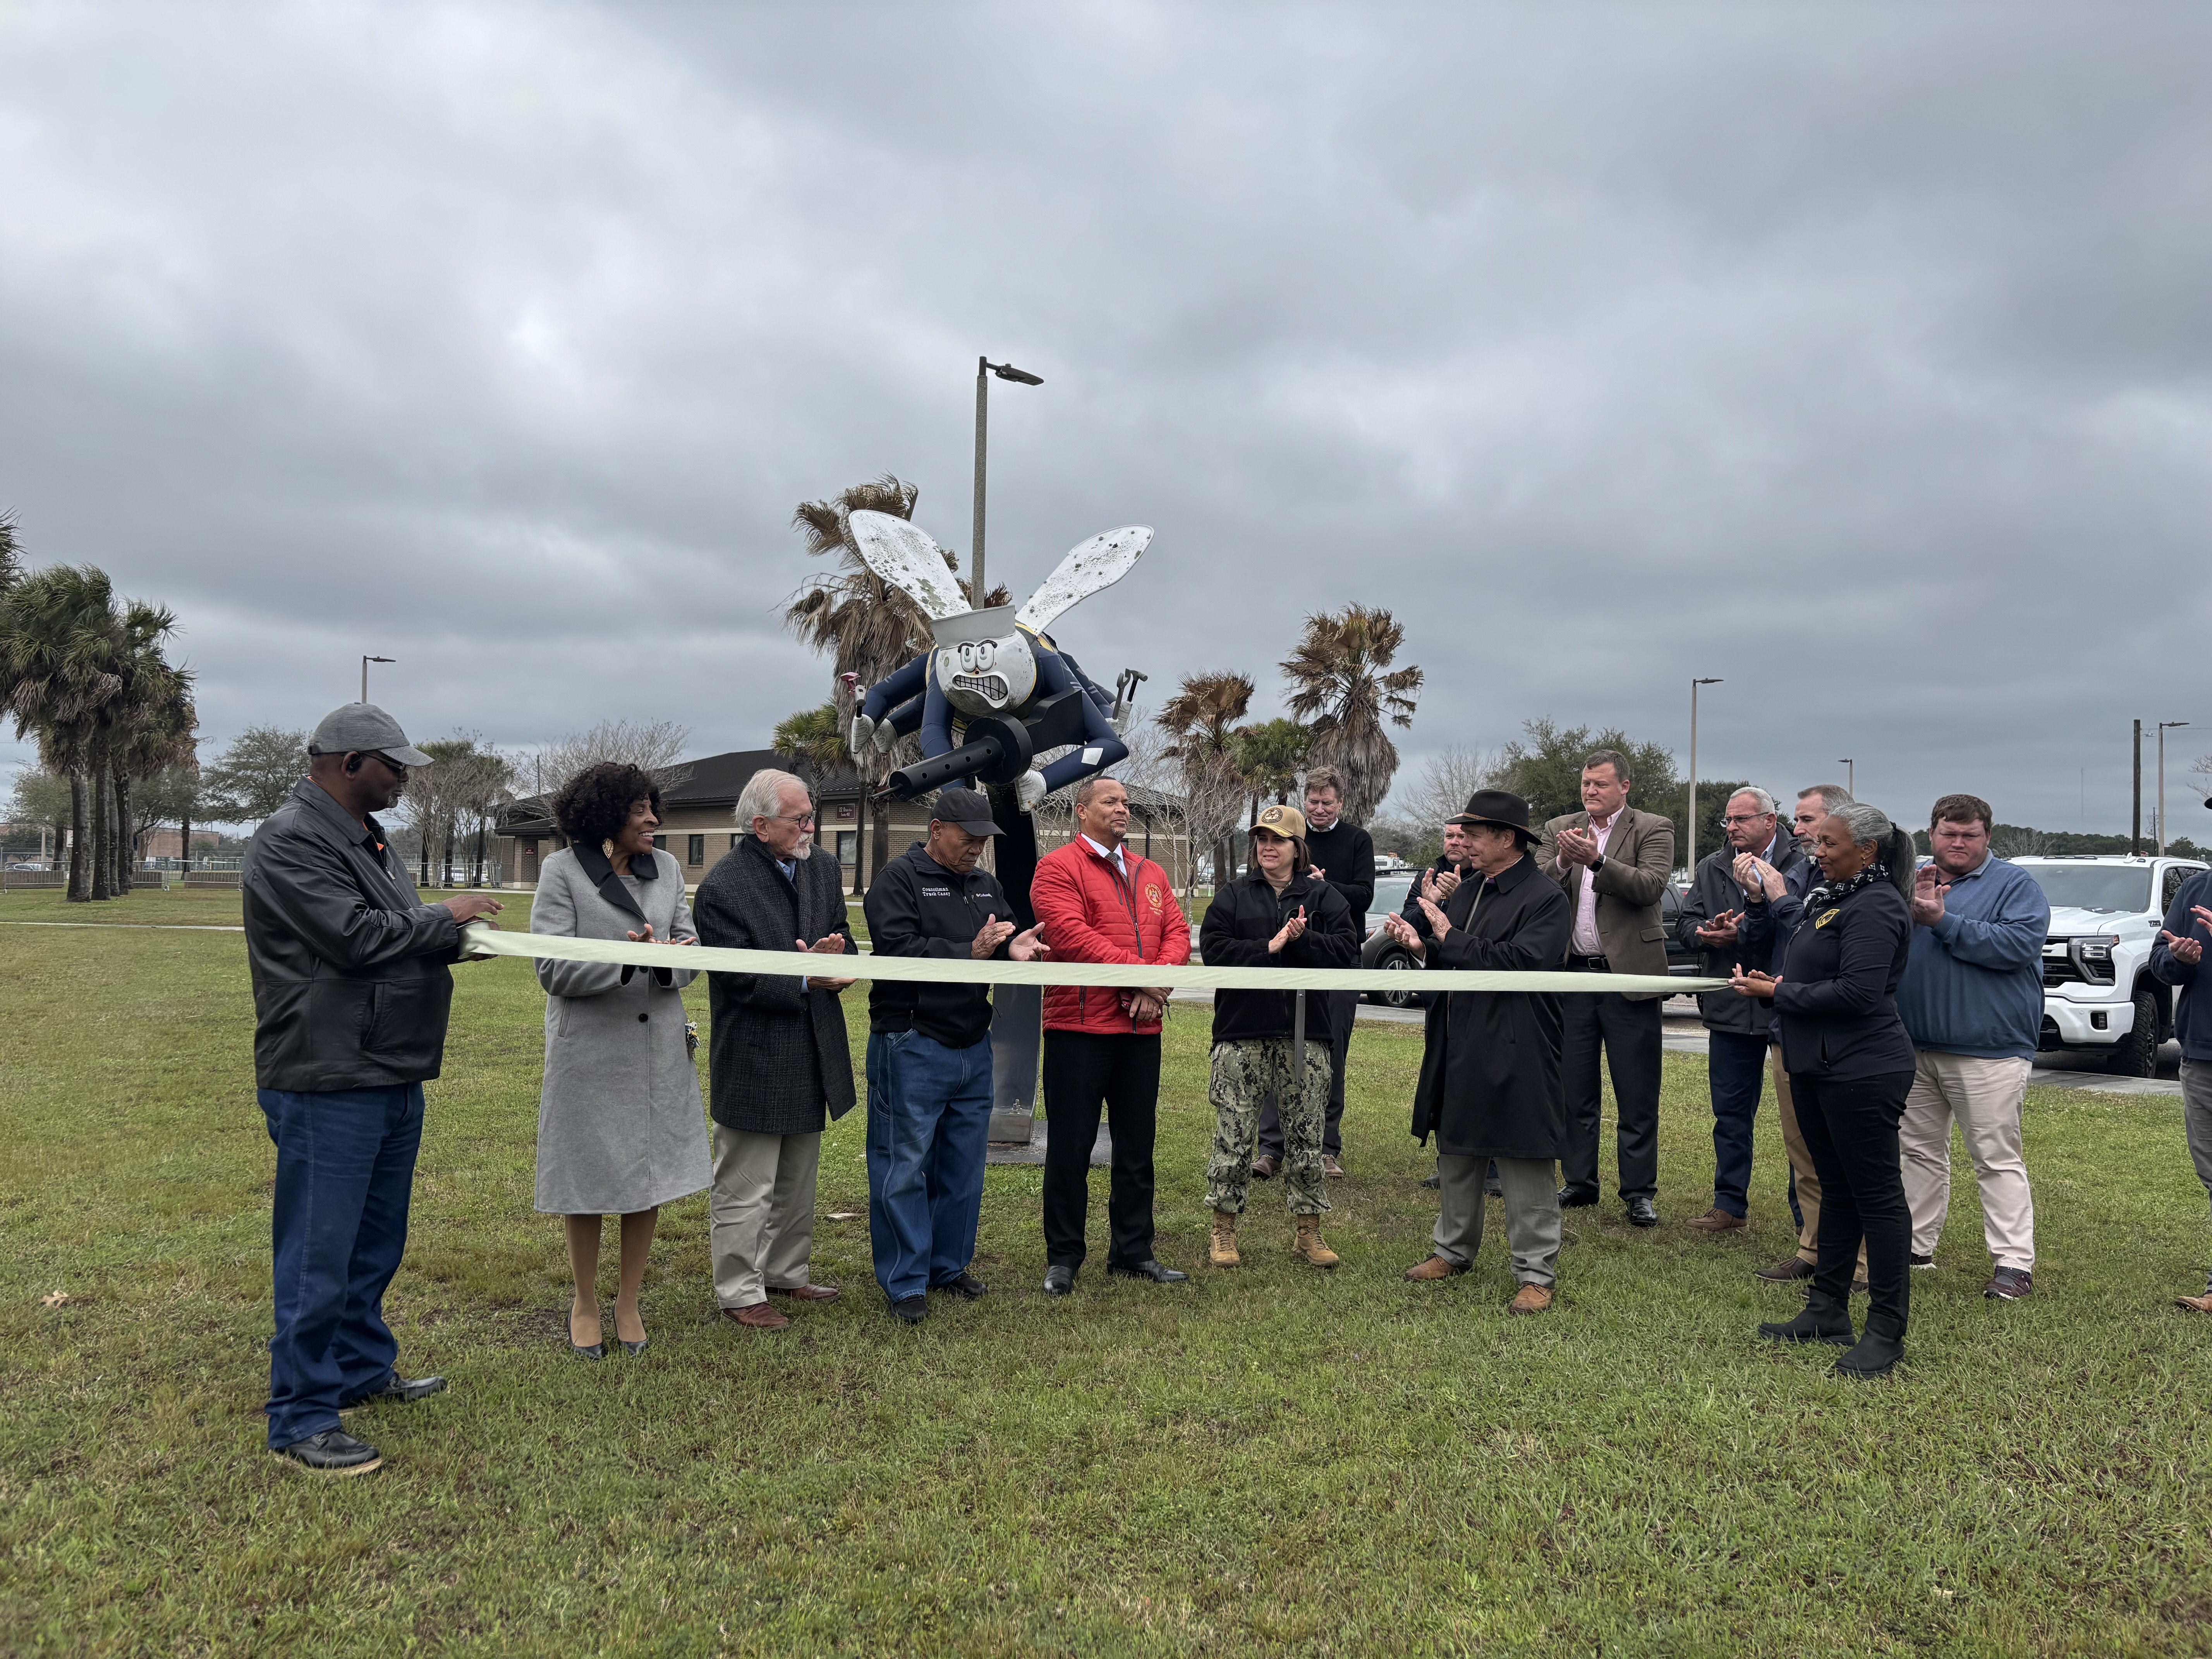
point(1269, 1461)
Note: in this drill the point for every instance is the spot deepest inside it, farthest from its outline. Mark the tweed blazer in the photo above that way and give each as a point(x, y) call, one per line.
point(1639, 856)
point(777, 1053)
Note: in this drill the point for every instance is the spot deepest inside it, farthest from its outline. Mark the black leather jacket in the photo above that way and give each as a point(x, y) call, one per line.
point(351, 983)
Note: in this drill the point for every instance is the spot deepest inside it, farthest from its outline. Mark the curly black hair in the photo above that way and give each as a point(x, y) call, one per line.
point(594, 805)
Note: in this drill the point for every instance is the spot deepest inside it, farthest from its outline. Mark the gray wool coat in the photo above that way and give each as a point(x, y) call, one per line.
point(619, 1128)
point(779, 1054)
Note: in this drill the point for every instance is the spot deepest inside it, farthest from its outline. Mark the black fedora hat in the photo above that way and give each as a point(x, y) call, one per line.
point(1499, 809)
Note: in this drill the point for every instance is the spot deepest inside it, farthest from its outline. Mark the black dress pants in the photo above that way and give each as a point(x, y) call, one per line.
point(1343, 1009)
point(1629, 1034)
point(1850, 1130)
point(1081, 1071)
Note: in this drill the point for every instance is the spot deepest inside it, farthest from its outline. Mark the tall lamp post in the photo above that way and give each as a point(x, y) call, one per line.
point(985, 368)
point(1691, 858)
point(365, 662)
point(1850, 775)
point(2163, 726)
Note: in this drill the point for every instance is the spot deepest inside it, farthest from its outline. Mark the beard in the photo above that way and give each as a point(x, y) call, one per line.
point(801, 853)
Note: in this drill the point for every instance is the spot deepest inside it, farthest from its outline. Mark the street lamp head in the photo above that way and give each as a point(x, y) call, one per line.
point(1019, 376)
point(380, 659)
point(1708, 682)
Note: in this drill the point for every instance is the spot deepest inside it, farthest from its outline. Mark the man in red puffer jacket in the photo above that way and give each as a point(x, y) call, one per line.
point(1097, 901)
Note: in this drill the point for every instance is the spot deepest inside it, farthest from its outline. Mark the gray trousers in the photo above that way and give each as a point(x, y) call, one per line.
point(2197, 1119)
point(1532, 1214)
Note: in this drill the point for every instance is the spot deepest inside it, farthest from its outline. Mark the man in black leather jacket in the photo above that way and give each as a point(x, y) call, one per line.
point(350, 988)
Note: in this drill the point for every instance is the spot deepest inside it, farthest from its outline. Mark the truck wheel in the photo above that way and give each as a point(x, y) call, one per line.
point(2137, 1054)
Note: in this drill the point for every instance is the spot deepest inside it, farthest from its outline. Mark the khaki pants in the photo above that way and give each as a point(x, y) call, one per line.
point(1983, 1097)
point(1801, 1165)
point(1532, 1214)
point(760, 1216)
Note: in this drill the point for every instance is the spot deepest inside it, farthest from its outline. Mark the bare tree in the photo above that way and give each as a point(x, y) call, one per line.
point(1446, 780)
point(651, 745)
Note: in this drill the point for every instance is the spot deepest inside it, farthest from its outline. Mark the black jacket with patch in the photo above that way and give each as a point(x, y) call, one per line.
point(918, 907)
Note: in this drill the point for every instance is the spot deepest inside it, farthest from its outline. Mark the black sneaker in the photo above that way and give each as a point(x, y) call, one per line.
point(397, 1389)
point(913, 1310)
point(332, 1452)
point(1919, 1261)
point(2009, 1285)
point(967, 1284)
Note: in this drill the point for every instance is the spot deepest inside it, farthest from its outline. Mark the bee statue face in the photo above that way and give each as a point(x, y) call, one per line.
point(991, 675)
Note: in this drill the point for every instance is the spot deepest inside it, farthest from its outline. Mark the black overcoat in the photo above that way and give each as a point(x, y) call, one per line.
point(1489, 1075)
point(777, 1054)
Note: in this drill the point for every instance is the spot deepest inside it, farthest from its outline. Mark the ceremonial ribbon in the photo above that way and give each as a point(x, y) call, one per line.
point(481, 942)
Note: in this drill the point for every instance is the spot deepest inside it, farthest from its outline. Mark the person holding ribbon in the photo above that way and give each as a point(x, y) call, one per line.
point(619, 1129)
point(1282, 915)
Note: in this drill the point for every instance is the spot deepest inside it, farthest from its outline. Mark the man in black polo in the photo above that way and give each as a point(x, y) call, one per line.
point(1343, 855)
point(929, 1056)
point(350, 990)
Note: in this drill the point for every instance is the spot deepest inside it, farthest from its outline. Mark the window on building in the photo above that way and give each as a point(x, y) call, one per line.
point(848, 848)
point(696, 853)
point(733, 841)
point(661, 842)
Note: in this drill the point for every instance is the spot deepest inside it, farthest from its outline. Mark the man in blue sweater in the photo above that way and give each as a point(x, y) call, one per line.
point(1972, 999)
point(2179, 959)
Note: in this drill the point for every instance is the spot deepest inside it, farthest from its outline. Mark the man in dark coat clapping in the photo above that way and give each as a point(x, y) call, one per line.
point(1490, 1084)
point(778, 1055)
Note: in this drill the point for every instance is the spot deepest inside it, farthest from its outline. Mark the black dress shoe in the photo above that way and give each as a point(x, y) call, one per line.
point(1876, 1355)
point(634, 1349)
point(1821, 1319)
point(1151, 1270)
point(1578, 1197)
point(911, 1310)
point(967, 1284)
point(332, 1452)
point(1641, 1212)
point(396, 1387)
point(1432, 1181)
point(1059, 1281)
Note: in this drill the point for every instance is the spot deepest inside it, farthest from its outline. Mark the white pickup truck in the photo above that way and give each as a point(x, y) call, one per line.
point(2099, 995)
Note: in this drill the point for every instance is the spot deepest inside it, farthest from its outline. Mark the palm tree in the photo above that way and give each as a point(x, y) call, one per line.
point(1341, 685)
point(1271, 754)
point(59, 633)
point(1201, 718)
point(813, 741)
point(147, 726)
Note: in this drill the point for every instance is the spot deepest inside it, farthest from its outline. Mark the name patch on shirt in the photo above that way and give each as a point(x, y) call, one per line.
point(937, 892)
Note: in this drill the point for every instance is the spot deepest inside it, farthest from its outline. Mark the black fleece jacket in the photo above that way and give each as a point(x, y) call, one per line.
point(1243, 916)
point(918, 907)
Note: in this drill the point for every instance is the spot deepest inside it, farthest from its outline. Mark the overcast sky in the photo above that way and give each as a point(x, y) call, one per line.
point(1861, 357)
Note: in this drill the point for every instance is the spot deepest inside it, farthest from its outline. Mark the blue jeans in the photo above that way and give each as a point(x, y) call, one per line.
point(929, 1120)
point(345, 1168)
point(1735, 1066)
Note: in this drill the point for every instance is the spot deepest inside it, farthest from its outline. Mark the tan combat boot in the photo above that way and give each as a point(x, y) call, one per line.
point(1221, 1252)
point(1309, 1245)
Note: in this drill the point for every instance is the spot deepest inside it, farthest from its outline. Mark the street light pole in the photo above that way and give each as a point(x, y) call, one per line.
point(2135, 822)
point(2163, 725)
point(984, 368)
point(1850, 775)
point(365, 662)
point(1690, 857)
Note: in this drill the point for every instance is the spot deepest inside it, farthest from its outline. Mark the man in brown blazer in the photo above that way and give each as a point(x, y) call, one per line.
point(1613, 861)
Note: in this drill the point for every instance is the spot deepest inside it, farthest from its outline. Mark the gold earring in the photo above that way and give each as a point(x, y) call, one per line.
point(607, 849)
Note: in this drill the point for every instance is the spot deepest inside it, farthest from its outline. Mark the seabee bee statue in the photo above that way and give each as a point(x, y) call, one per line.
point(995, 690)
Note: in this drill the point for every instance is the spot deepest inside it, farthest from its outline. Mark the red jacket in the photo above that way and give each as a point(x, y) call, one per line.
point(1089, 913)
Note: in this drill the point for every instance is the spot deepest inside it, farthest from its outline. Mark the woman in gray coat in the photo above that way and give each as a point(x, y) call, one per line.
point(620, 1128)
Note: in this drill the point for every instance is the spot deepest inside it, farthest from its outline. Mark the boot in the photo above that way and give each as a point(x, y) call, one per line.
point(1221, 1252)
point(1876, 1353)
point(1309, 1245)
point(1824, 1320)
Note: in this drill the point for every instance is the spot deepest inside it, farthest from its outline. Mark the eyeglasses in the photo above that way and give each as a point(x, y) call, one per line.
point(804, 820)
point(1742, 817)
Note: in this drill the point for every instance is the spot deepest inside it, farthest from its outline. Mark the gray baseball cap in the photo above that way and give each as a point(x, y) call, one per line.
point(363, 728)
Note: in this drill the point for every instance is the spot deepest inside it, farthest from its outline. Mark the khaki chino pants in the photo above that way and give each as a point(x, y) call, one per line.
point(760, 1215)
point(1983, 1097)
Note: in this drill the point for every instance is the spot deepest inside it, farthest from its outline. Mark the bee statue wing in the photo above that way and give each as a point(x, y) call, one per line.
point(1089, 568)
point(902, 554)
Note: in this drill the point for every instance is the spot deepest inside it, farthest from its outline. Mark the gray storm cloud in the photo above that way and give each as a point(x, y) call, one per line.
point(1858, 358)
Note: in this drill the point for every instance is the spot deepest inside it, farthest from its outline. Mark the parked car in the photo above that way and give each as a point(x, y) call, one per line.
point(1681, 960)
point(1391, 892)
point(2099, 995)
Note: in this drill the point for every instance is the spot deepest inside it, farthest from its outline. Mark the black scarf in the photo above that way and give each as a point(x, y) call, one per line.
point(1835, 892)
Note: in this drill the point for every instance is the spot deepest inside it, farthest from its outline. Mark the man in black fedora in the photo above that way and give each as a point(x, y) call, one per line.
point(1490, 1084)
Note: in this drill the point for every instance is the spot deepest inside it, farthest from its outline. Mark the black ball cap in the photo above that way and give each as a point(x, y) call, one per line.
point(968, 809)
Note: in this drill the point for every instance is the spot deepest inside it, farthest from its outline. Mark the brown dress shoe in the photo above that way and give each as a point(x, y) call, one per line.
point(806, 1292)
point(1266, 1167)
point(1531, 1300)
point(2195, 1303)
point(1716, 1220)
point(1791, 1268)
point(1435, 1268)
point(758, 1314)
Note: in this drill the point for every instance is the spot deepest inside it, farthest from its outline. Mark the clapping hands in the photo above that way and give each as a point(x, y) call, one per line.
point(830, 944)
point(1294, 929)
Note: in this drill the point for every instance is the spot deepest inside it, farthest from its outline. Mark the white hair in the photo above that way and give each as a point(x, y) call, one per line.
point(762, 795)
point(1759, 797)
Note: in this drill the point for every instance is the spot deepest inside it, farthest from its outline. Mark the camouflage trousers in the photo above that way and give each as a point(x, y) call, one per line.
point(1244, 1074)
